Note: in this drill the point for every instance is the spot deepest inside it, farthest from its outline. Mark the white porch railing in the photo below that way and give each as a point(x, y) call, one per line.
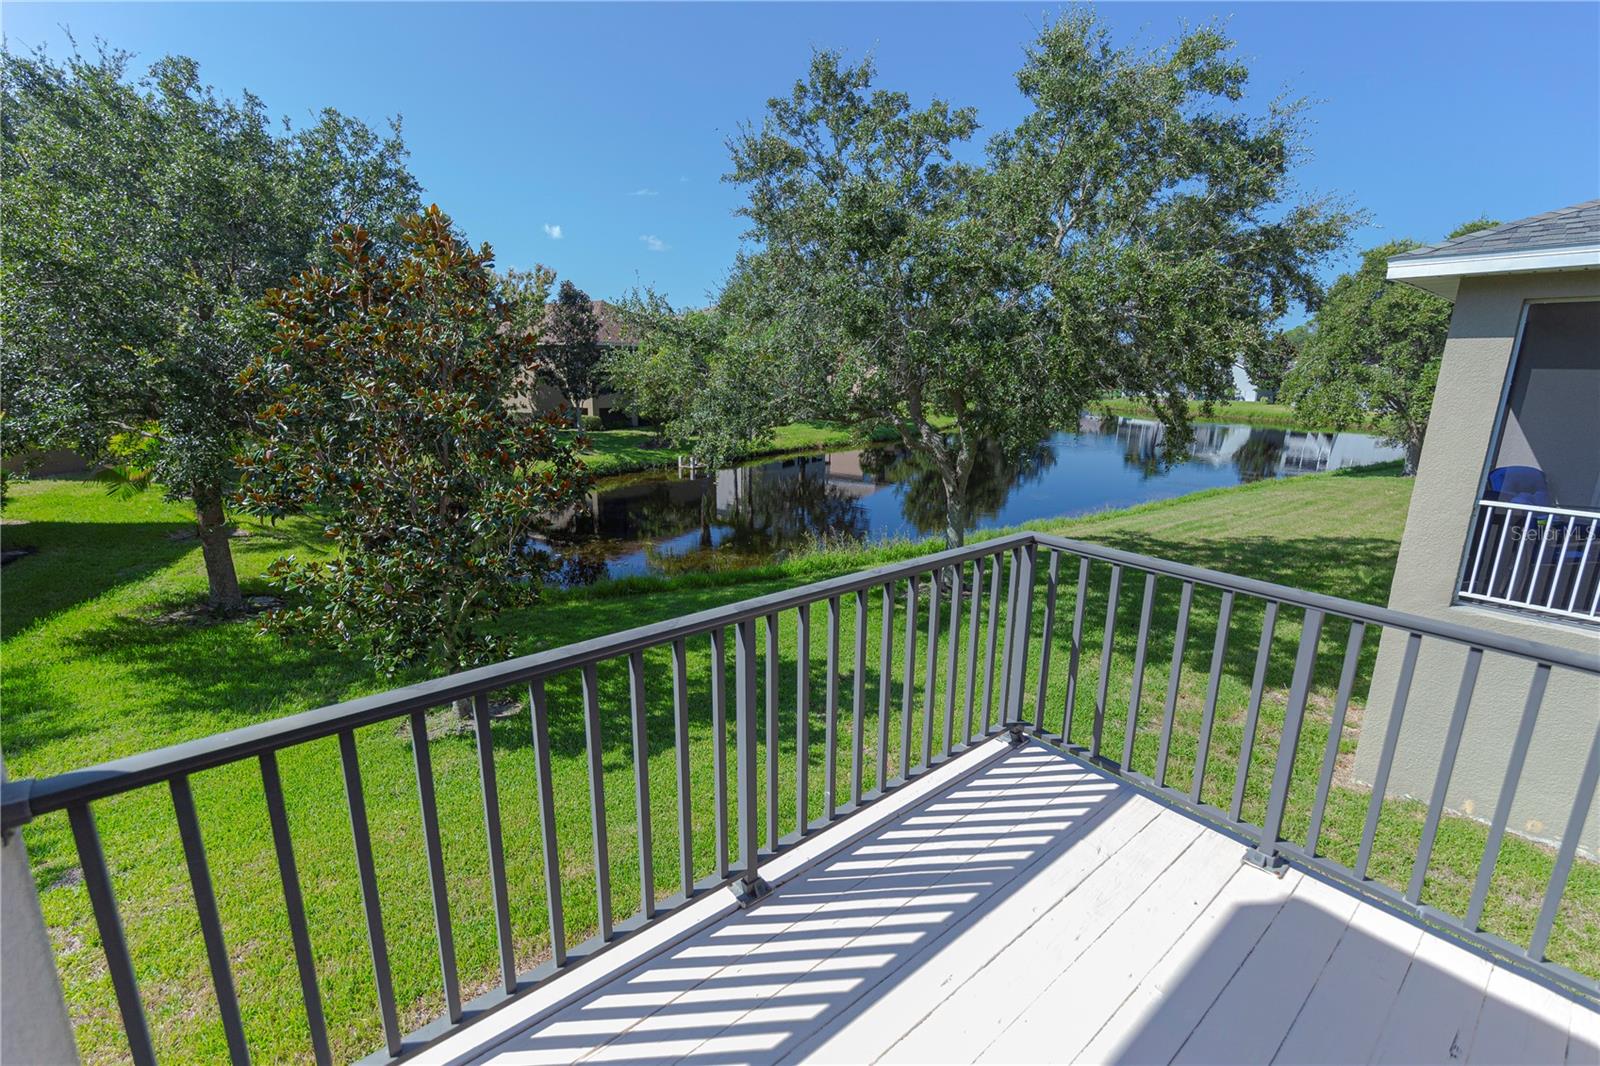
point(1535, 557)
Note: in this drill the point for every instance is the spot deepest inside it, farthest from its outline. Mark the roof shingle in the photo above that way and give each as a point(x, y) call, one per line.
point(1562, 228)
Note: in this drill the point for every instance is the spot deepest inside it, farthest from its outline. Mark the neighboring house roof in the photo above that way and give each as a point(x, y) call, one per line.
point(1565, 239)
point(613, 332)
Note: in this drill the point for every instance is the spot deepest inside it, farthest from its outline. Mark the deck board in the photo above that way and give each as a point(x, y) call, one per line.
point(1034, 910)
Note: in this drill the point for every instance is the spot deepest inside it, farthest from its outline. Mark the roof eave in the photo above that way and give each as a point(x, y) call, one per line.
point(1442, 274)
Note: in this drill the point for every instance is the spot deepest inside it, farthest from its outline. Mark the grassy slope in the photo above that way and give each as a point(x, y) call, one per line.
point(87, 676)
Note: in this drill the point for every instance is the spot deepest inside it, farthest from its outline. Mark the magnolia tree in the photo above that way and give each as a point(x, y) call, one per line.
point(1136, 233)
point(144, 220)
point(382, 405)
point(1372, 355)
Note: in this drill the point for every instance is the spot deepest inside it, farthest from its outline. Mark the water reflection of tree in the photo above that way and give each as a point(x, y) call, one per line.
point(995, 475)
point(1260, 455)
point(781, 506)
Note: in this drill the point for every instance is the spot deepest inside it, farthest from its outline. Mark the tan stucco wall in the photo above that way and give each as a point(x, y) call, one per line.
point(1472, 378)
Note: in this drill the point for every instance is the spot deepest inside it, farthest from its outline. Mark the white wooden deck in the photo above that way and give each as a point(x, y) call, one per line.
point(1030, 911)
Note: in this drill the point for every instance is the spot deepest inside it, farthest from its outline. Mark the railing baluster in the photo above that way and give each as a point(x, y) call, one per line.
point(952, 658)
point(858, 703)
point(1131, 731)
point(97, 879)
point(908, 682)
point(1294, 713)
point(1105, 662)
point(770, 734)
point(1075, 653)
point(294, 905)
point(680, 723)
point(1391, 738)
point(1581, 812)
point(1561, 558)
point(1483, 517)
point(1447, 762)
point(1048, 637)
point(1179, 640)
point(719, 750)
point(205, 901)
point(422, 760)
point(802, 721)
point(641, 785)
point(830, 769)
point(1499, 554)
point(973, 619)
point(1330, 754)
point(1583, 564)
point(1516, 562)
point(931, 680)
point(356, 802)
point(994, 563)
point(885, 667)
point(1021, 623)
point(497, 855)
point(744, 729)
point(539, 711)
point(1253, 712)
point(597, 798)
point(1008, 683)
point(1208, 715)
point(1508, 792)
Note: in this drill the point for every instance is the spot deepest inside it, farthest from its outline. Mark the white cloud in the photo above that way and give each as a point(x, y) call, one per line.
point(644, 192)
point(654, 243)
point(553, 232)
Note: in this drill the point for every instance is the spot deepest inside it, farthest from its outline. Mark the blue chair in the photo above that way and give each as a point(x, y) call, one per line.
point(1519, 484)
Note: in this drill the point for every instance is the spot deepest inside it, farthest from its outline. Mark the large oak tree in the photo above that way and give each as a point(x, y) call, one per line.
point(144, 220)
point(1138, 232)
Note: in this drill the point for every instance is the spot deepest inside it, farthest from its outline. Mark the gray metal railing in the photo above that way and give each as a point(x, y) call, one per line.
point(998, 581)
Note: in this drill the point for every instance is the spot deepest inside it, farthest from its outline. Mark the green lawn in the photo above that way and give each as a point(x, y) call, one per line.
point(622, 451)
point(1249, 412)
point(90, 674)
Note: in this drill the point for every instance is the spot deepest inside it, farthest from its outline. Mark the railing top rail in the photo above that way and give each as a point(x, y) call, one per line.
point(22, 800)
point(1588, 662)
point(1541, 508)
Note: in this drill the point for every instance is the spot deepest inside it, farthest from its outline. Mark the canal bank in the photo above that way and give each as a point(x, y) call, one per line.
point(745, 514)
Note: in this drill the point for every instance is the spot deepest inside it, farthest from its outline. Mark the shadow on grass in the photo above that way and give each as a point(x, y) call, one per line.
point(77, 561)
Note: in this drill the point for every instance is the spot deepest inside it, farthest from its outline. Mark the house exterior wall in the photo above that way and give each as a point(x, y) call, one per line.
point(1472, 381)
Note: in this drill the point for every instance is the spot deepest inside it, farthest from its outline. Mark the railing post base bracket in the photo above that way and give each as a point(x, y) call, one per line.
point(1272, 862)
point(749, 893)
point(1017, 734)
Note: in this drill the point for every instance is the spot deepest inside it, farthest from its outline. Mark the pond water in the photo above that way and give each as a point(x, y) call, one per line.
point(740, 515)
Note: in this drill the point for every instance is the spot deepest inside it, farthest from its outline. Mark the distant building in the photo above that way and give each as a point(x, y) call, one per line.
point(542, 397)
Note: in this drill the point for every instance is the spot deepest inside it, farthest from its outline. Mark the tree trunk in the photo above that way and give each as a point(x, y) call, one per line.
point(955, 535)
point(1413, 455)
point(223, 594)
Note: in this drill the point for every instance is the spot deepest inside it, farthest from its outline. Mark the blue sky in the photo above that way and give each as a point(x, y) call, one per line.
point(609, 120)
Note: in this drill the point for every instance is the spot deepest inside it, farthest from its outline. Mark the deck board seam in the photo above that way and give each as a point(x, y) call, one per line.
point(1106, 929)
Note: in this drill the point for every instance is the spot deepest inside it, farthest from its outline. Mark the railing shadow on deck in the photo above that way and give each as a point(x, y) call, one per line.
point(1284, 981)
point(759, 984)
